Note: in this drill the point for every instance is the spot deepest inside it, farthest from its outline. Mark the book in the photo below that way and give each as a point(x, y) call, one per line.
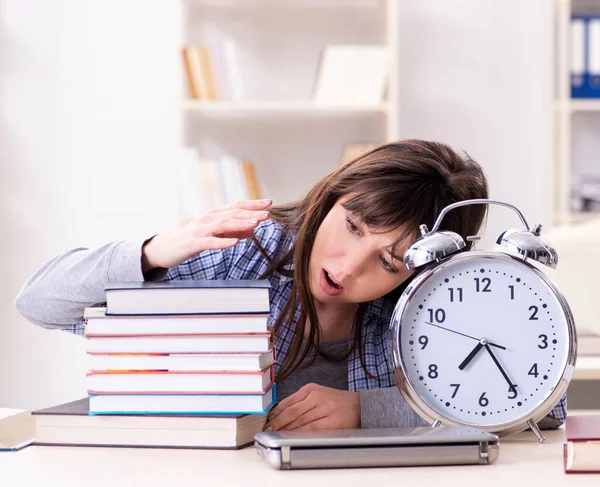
point(582, 448)
point(178, 362)
point(257, 342)
point(182, 403)
point(16, 429)
point(588, 343)
point(71, 424)
point(188, 297)
point(353, 75)
point(98, 323)
point(165, 382)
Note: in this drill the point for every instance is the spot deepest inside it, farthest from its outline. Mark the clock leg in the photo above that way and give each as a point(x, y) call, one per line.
point(534, 427)
point(436, 423)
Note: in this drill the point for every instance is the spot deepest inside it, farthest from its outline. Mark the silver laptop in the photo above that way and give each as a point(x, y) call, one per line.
point(387, 447)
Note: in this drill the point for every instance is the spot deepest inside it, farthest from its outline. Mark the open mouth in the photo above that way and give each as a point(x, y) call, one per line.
point(328, 285)
point(331, 281)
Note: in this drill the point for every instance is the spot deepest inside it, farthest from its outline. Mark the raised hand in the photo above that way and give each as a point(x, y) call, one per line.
point(216, 229)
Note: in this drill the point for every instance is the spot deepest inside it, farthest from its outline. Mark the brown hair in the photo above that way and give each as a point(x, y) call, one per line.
point(400, 184)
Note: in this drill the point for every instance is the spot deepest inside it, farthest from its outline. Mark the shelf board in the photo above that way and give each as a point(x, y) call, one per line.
point(579, 105)
point(587, 368)
point(279, 108)
point(290, 3)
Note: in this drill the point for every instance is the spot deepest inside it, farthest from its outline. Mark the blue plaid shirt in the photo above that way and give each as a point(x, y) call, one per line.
point(244, 261)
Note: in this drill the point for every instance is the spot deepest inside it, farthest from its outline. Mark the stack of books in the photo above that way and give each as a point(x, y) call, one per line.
point(172, 347)
point(184, 364)
point(582, 448)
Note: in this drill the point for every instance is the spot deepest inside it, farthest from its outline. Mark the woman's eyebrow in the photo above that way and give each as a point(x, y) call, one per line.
point(399, 258)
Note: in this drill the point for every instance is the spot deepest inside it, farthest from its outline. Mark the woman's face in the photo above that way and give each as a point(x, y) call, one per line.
point(350, 264)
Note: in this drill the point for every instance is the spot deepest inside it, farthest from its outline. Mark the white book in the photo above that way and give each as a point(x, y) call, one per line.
point(16, 429)
point(210, 183)
point(99, 323)
point(577, 48)
point(231, 69)
point(180, 344)
point(167, 382)
point(594, 49)
point(352, 75)
point(191, 197)
point(71, 424)
point(181, 403)
point(181, 361)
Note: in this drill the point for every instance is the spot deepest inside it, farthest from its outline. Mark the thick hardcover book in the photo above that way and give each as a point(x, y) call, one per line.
point(582, 449)
point(182, 403)
point(181, 362)
point(98, 323)
point(247, 343)
point(188, 297)
point(164, 382)
point(71, 424)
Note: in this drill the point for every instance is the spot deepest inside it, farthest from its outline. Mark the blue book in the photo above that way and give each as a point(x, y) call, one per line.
point(177, 404)
point(188, 297)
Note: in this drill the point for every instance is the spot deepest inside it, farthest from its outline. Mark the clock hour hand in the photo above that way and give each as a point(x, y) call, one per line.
point(464, 335)
point(470, 357)
point(510, 384)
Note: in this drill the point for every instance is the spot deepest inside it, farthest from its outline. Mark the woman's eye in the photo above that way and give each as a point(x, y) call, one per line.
point(387, 266)
point(351, 226)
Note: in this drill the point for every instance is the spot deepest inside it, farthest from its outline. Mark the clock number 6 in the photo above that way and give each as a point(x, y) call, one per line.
point(483, 401)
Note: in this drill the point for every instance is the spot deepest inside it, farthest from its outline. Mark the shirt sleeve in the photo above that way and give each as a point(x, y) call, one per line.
point(56, 295)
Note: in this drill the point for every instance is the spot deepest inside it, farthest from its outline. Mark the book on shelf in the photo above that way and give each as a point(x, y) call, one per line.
point(248, 342)
point(354, 75)
point(179, 362)
point(182, 382)
point(582, 448)
point(98, 323)
point(71, 424)
point(188, 297)
point(212, 182)
point(212, 72)
point(16, 429)
point(182, 403)
point(585, 55)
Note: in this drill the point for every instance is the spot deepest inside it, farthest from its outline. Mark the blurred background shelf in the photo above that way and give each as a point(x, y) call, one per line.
point(279, 108)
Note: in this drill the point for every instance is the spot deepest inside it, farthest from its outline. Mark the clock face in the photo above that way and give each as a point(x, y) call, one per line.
point(484, 340)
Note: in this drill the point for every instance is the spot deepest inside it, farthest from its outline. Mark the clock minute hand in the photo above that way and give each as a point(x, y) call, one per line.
point(510, 384)
point(463, 334)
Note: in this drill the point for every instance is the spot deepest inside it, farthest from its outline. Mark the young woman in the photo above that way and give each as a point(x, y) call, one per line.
point(335, 263)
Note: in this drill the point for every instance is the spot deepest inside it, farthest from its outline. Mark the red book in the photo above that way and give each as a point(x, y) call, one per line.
point(582, 448)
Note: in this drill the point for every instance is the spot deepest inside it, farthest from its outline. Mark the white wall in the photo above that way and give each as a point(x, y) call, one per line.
point(89, 124)
point(88, 132)
point(477, 75)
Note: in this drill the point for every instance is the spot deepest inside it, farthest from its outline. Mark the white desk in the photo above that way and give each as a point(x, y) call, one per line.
point(522, 461)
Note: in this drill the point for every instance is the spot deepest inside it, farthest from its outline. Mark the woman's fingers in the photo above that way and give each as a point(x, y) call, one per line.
point(225, 227)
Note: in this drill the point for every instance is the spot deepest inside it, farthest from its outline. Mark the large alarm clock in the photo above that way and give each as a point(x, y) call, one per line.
point(482, 338)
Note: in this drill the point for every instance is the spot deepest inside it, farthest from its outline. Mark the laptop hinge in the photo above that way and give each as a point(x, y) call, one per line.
point(285, 457)
point(484, 451)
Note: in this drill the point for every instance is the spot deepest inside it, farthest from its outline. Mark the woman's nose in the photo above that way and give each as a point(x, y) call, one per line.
point(355, 261)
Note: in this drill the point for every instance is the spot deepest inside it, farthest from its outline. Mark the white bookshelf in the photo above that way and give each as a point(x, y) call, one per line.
point(576, 121)
point(292, 140)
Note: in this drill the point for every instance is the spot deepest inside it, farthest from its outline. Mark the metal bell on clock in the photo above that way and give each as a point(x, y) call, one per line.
point(434, 245)
point(530, 245)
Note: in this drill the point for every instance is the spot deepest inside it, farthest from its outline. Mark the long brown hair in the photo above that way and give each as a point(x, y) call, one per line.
point(400, 184)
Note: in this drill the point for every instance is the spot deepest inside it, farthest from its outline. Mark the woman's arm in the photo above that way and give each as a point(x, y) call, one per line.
point(55, 296)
